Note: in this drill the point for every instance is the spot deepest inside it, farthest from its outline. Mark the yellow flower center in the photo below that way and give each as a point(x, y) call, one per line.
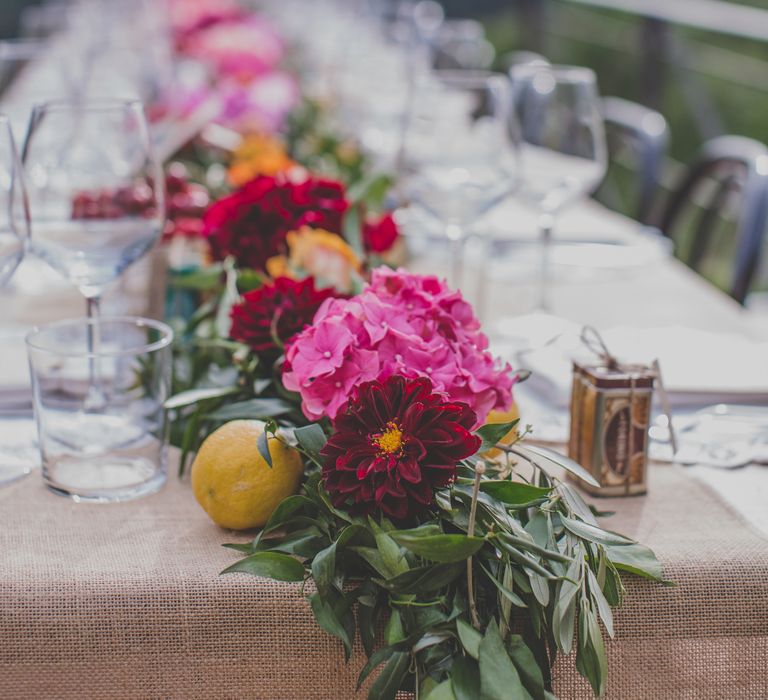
point(390, 440)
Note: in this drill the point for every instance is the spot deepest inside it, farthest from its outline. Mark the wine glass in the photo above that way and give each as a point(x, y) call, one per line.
point(95, 190)
point(561, 145)
point(96, 194)
point(14, 214)
point(16, 454)
point(458, 159)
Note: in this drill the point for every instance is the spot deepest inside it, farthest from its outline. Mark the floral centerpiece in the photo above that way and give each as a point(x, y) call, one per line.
point(423, 526)
point(481, 570)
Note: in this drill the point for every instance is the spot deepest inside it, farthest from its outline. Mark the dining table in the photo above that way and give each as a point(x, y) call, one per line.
point(126, 599)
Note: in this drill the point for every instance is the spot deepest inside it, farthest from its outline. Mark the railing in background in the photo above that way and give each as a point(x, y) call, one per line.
point(701, 63)
point(666, 57)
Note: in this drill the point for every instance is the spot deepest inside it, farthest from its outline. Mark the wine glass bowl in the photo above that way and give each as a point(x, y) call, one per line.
point(14, 214)
point(458, 158)
point(95, 190)
point(561, 144)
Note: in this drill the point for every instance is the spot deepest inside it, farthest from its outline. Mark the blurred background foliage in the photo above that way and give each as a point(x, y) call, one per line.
point(730, 73)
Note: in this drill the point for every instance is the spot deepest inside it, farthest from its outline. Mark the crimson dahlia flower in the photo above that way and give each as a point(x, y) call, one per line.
point(394, 443)
point(252, 223)
point(277, 311)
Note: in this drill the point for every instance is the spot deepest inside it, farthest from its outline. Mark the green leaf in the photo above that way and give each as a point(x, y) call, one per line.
point(564, 612)
point(329, 621)
point(393, 630)
point(311, 438)
point(613, 588)
point(508, 594)
point(352, 533)
point(514, 493)
point(591, 659)
point(263, 445)
point(575, 502)
point(376, 659)
point(391, 555)
point(443, 691)
point(542, 456)
point(252, 409)
point(469, 637)
point(390, 679)
point(636, 559)
point(593, 533)
point(280, 567)
point(185, 398)
point(244, 548)
point(305, 543)
point(525, 663)
point(202, 280)
point(353, 230)
point(442, 548)
point(499, 679)
point(492, 433)
point(373, 558)
point(287, 508)
point(465, 679)
point(603, 608)
point(324, 569)
point(424, 578)
point(540, 588)
point(524, 559)
point(366, 623)
point(370, 191)
point(522, 543)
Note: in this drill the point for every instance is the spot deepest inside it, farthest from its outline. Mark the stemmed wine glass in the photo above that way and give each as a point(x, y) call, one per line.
point(561, 145)
point(95, 190)
point(14, 233)
point(96, 193)
point(14, 213)
point(458, 158)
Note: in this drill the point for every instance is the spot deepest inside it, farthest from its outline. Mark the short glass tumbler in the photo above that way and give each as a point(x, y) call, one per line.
point(113, 449)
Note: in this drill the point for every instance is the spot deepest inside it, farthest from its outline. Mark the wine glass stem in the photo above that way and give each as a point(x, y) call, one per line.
point(546, 225)
point(456, 239)
point(94, 400)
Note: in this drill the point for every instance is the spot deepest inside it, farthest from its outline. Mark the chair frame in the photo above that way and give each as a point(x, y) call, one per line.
point(649, 130)
point(742, 159)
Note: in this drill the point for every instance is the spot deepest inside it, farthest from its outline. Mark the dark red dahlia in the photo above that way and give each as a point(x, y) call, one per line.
point(394, 443)
point(281, 308)
point(379, 236)
point(251, 223)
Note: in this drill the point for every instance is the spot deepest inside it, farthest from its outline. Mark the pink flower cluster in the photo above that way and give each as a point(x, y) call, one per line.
point(401, 323)
point(243, 53)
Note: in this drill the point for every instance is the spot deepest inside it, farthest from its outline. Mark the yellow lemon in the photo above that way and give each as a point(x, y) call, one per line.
point(233, 482)
point(503, 417)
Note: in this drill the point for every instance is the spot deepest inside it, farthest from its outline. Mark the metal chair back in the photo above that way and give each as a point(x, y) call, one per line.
point(730, 172)
point(639, 135)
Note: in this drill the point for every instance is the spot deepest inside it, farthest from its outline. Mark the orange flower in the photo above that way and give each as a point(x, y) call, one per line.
point(320, 254)
point(258, 154)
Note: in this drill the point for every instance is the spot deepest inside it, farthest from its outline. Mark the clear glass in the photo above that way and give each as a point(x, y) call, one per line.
point(561, 144)
point(458, 157)
point(14, 213)
point(117, 450)
point(95, 190)
point(15, 445)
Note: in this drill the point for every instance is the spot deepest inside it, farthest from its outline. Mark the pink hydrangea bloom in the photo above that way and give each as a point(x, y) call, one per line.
point(401, 323)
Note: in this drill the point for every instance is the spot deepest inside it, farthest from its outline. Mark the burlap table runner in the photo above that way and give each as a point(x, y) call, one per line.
point(125, 601)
